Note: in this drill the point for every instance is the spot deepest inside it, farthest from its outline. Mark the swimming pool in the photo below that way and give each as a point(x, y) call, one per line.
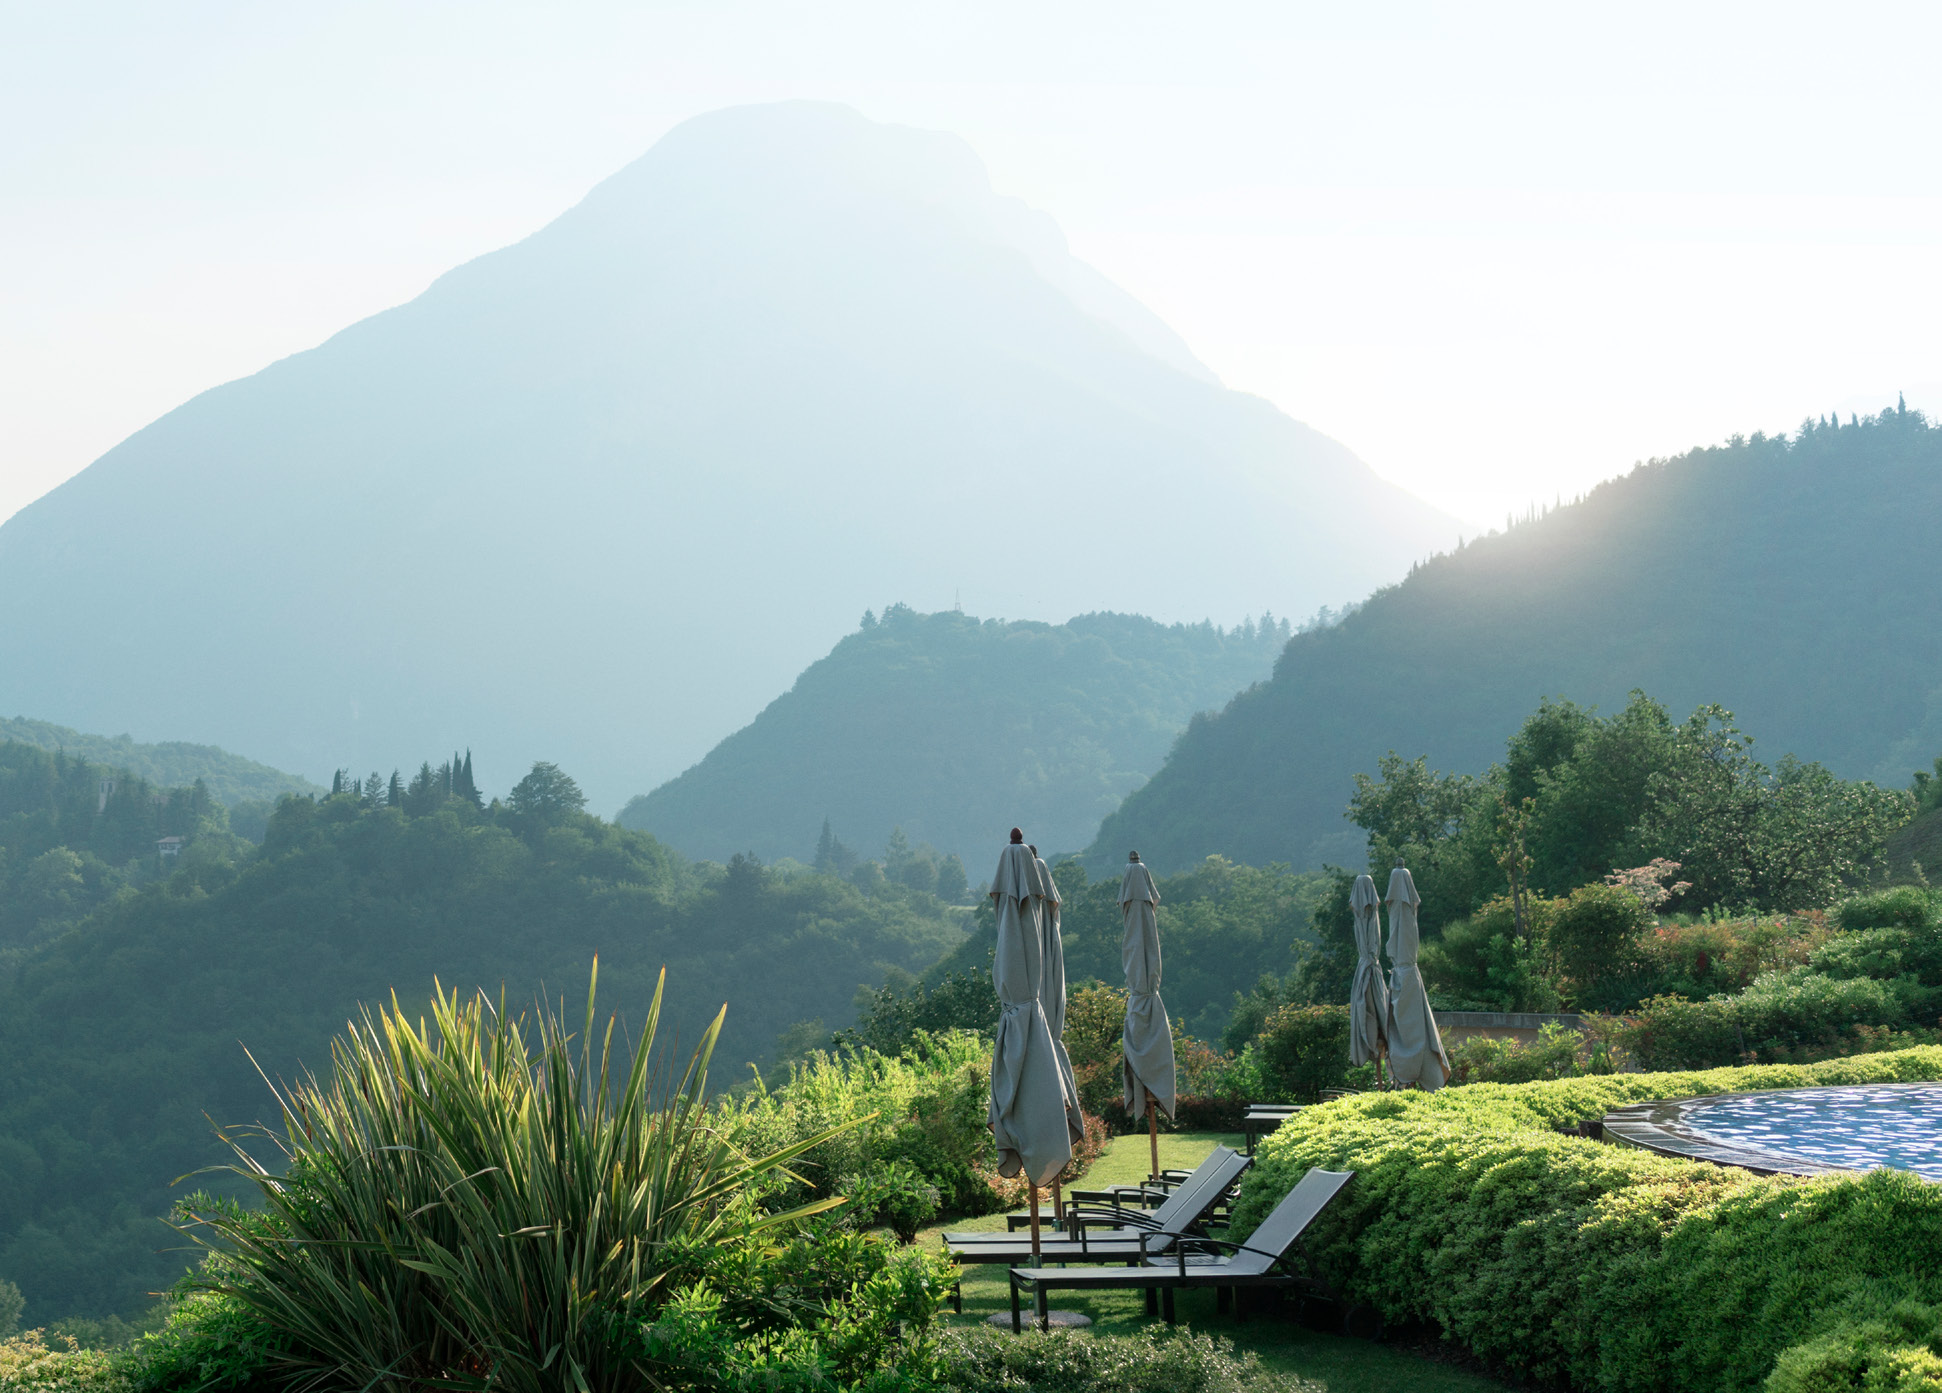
point(1798, 1131)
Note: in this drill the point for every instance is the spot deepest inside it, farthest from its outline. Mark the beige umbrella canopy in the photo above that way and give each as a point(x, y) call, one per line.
point(1415, 1049)
point(1027, 1095)
point(1148, 1039)
point(1052, 1000)
point(1369, 997)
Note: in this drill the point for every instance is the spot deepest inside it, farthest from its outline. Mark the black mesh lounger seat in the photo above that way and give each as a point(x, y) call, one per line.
point(1267, 1259)
point(1148, 1194)
point(1132, 1242)
point(1185, 1208)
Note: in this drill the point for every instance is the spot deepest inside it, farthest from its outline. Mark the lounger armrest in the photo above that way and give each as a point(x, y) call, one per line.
point(1202, 1241)
point(1109, 1218)
point(1146, 1191)
point(1183, 1237)
point(1143, 1190)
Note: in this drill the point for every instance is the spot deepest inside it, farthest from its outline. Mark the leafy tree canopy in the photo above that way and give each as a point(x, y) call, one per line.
point(124, 1018)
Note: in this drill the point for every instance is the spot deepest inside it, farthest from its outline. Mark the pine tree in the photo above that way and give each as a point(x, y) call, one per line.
point(421, 795)
point(825, 848)
point(463, 785)
point(896, 854)
point(951, 880)
point(394, 796)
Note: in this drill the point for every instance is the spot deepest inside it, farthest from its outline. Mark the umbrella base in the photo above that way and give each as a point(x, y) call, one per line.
point(1059, 1320)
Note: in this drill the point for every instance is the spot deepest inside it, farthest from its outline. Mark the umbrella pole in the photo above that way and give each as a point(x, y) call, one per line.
point(1031, 1202)
point(1153, 1136)
point(1058, 1206)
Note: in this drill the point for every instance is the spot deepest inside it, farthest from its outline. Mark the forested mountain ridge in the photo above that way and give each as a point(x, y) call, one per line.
point(954, 730)
point(1776, 576)
point(643, 467)
point(75, 834)
point(230, 779)
point(124, 1035)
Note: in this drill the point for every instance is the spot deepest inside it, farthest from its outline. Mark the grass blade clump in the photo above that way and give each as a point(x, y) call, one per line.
point(481, 1199)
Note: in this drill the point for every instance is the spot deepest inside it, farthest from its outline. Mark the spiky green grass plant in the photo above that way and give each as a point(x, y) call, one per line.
point(484, 1200)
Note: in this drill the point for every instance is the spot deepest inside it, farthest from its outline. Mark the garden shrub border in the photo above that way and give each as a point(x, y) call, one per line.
point(1568, 1260)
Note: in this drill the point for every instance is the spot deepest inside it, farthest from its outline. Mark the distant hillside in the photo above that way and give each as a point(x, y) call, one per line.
point(955, 730)
point(1791, 580)
point(229, 778)
point(120, 1034)
point(597, 497)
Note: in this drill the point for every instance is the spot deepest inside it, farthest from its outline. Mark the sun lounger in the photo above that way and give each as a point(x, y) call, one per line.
point(1267, 1259)
point(1182, 1210)
point(1262, 1118)
point(1148, 1194)
point(1133, 1242)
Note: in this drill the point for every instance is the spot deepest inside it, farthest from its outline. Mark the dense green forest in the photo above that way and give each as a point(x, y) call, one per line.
point(123, 1033)
point(75, 834)
point(955, 730)
point(1770, 575)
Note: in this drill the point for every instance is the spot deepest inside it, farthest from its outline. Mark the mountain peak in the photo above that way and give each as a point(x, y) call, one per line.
point(600, 495)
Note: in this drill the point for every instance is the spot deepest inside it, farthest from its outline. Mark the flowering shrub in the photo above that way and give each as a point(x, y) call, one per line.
point(1701, 959)
point(28, 1362)
point(1648, 882)
point(1848, 993)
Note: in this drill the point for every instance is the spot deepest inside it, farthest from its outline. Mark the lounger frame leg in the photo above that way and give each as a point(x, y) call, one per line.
point(1152, 1301)
point(1017, 1325)
point(1166, 1303)
point(1044, 1314)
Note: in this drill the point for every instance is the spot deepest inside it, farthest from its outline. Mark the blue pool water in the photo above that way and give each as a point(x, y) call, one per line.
point(1862, 1126)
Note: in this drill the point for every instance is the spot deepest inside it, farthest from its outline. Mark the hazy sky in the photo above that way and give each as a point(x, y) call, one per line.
point(1500, 251)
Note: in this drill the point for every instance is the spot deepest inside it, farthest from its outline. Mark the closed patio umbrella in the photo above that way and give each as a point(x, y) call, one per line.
point(1415, 1049)
point(1027, 1114)
point(1369, 997)
point(1147, 1042)
point(1051, 999)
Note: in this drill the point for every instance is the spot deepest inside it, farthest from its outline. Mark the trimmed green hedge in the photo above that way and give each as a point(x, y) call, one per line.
point(1570, 1260)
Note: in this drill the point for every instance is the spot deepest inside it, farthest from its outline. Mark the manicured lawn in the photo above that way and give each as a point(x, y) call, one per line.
point(1334, 1363)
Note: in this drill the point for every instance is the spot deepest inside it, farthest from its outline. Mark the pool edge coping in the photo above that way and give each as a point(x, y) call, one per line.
point(1659, 1126)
